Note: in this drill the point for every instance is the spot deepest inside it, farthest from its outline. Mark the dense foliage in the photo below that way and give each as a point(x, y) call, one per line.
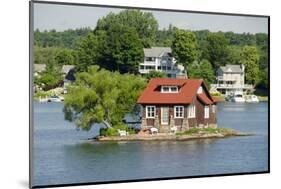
point(64, 39)
point(50, 78)
point(250, 58)
point(101, 96)
point(155, 74)
point(122, 49)
point(144, 24)
point(201, 70)
point(106, 57)
point(216, 51)
point(184, 47)
point(117, 41)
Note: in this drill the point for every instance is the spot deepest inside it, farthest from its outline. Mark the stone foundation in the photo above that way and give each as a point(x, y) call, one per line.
point(167, 128)
point(185, 125)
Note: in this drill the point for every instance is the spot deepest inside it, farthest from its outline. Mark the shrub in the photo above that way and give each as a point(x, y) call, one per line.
point(208, 130)
point(108, 132)
point(114, 130)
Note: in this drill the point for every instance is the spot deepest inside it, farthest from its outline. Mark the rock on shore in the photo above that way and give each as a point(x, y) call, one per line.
point(172, 136)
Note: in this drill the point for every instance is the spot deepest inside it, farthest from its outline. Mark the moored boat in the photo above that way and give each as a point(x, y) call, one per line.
point(238, 97)
point(55, 98)
point(251, 98)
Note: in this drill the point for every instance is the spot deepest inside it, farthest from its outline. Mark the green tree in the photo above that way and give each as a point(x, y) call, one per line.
point(143, 22)
point(234, 53)
point(65, 57)
point(165, 37)
point(250, 58)
point(121, 49)
point(51, 77)
point(184, 47)
point(203, 70)
point(216, 51)
point(263, 79)
point(87, 52)
point(63, 39)
point(155, 74)
point(101, 96)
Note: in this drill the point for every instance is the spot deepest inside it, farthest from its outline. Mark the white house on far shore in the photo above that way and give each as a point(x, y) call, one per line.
point(231, 78)
point(161, 59)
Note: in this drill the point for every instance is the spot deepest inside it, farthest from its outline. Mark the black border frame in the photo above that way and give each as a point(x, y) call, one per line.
point(31, 37)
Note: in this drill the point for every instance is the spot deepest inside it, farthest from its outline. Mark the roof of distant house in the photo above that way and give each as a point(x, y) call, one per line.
point(39, 67)
point(232, 68)
point(42, 67)
point(156, 51)
point(187, 91)
point(66, 68)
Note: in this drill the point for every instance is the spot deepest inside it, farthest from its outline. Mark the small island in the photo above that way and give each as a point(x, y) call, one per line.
point(194, 133)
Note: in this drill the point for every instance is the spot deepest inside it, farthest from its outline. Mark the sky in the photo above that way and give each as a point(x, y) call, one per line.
point(62, 17)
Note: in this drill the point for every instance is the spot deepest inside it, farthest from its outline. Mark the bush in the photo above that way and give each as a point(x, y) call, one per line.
point(208, 130)
point(114, 130)
point(42, 94)
point(217, 94)
point(108, 132)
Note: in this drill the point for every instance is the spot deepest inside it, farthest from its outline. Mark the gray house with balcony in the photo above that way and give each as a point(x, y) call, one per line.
point(231, 78)
point(160, 59)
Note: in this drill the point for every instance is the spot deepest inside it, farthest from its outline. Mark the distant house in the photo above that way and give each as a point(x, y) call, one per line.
point(67, 71)
point(231, 78)
point(160, 59)
point(184, 103)
point(68, 75)
point(38, 68)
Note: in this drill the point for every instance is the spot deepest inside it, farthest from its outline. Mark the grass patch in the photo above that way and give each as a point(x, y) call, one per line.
point(41, 94)
point(114, 130)
point(263, 98)
point(209, 130)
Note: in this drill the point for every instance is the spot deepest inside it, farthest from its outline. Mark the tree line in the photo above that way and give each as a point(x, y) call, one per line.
point(117, 42)
point(107, 57)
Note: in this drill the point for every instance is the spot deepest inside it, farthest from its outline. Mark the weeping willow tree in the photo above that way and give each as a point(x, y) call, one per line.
point(101, 96)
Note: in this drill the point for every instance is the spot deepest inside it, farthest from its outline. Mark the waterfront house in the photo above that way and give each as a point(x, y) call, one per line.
point(160, 59)
point(231, 79)
point(38, 68)
point(180, 103)
point(66, 70)
point(68, 75)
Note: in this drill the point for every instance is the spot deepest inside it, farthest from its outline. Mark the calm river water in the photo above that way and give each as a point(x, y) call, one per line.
point(62, 155)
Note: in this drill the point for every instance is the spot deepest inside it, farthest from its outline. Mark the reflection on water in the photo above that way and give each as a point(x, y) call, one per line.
point(62, 155)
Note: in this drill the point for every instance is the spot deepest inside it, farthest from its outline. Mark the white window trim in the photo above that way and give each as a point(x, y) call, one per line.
point(191, 111)
point(169, 87)
point(214, 108)
point(182, 112)
point(146, 111)
point(206, 112)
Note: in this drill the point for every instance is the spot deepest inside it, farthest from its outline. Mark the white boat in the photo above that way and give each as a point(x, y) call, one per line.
point(252, 98)
point(55, 98)
point(238, 97)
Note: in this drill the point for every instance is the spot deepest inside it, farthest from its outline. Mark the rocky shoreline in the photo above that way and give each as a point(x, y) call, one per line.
point(171, 136)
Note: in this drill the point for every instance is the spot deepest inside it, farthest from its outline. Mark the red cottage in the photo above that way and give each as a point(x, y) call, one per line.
point(184, 103)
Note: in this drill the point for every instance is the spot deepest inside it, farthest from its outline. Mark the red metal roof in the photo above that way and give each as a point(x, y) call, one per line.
point(203, 97)
point(187, 91)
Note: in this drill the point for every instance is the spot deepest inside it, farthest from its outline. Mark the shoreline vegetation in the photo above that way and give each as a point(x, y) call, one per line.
point(191, 134)
point(105, 82)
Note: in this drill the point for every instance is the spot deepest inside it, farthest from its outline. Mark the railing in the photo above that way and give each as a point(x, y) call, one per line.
point(231, 86)
point(226, 78)
point(173, 71)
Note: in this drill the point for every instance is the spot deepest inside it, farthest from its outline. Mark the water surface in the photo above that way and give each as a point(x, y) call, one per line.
point(63, 155)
